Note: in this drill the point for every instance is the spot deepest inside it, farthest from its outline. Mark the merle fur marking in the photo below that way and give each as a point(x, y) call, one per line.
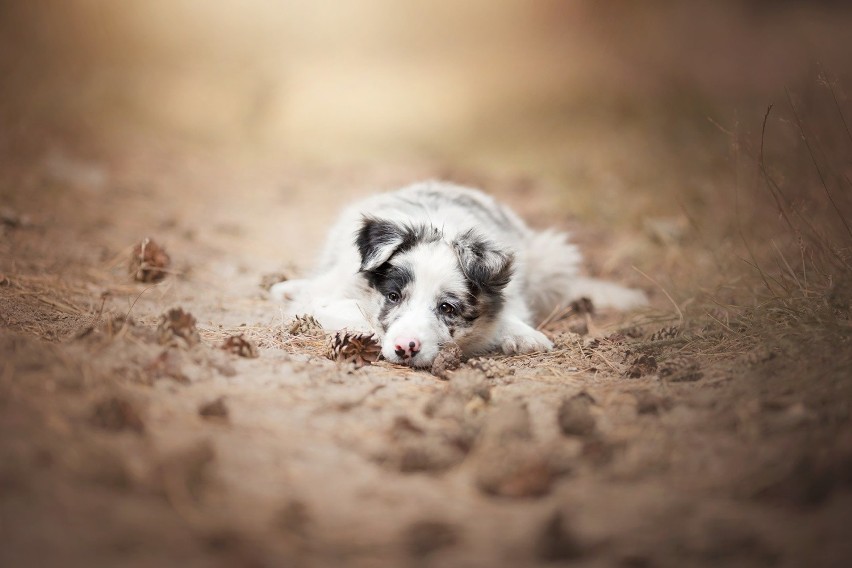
point(488, 268)
point(380, 239)
point(478, 209)
point(386, 279)
point(468, 309)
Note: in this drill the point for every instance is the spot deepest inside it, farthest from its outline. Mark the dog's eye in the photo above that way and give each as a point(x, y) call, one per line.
point(393, 297)
point(447, 309)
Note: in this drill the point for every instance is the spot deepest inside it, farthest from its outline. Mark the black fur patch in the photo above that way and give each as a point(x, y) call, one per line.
point(467, 310)
point(386, 279)
point(488, 268)
point(380, 239)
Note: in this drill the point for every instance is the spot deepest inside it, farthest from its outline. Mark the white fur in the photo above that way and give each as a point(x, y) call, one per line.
point(545, 274)
point(434, 269)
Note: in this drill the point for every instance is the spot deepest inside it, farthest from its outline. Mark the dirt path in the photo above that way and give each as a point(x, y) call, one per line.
point(623, 447)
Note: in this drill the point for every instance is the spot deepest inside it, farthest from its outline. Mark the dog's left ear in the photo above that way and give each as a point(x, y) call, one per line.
point(377, 240)
point(483, 262)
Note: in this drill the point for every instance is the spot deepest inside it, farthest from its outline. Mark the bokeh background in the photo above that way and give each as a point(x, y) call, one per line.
point(614, 112)
point(377, 78)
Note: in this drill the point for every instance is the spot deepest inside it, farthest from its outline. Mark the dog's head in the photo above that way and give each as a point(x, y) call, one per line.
point(432, 291)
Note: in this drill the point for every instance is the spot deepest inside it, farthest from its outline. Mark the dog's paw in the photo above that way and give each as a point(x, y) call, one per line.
point(287, 291)
point(525, 341)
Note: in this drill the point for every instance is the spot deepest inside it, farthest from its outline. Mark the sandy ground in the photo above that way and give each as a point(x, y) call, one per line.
point(625, 446)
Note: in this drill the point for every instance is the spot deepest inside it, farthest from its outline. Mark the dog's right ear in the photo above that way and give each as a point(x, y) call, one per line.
point(483, 263)
point(377, 240)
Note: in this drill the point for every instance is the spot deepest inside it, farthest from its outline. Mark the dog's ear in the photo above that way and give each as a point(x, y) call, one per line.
point(487, 266)
point(377, 240)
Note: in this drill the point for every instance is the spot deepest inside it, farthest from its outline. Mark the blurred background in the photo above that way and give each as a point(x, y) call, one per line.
point(612, 113)
point(349, 80)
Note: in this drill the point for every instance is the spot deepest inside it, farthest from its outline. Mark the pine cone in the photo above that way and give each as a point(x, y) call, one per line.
point(177, 326)
point(668, 332)
point(304, 325)
point(681, 370)
point(642, 365)
point(358, 348)
point(448, 359)
point(149, 261)
point(239, 345)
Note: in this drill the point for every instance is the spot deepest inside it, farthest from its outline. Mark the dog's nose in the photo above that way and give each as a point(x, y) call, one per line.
point(406, 347)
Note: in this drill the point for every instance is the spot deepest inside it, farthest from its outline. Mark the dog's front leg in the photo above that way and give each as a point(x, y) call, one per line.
point(341, 314)
point(515, 336)
point(289, 290)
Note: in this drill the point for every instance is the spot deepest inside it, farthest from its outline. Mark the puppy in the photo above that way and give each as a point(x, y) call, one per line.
point(435, 262)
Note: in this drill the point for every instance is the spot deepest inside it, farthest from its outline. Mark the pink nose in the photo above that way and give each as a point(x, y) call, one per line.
point(406, 347)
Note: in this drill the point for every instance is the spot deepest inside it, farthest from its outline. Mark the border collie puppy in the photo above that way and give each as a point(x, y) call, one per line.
point(435, 262)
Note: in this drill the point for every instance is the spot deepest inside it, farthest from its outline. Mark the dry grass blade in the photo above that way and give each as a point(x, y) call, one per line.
point(581, 306)
point(816, 165)
point(665, 292)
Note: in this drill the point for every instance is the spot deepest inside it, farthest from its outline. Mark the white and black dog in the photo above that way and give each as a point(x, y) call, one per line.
point(434, 263)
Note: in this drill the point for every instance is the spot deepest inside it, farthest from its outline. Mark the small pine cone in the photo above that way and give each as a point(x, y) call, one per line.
point(668, 332)
point(177, 327)
point(642, 365)
point(149, 261)
point(493, 368)
point(304, 325)
point(681, 370)
point(239, 345)
point(448, 359)
point(616, 338)
point(358, 348)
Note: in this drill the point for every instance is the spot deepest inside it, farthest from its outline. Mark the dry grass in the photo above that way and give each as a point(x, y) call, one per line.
point(787, 280)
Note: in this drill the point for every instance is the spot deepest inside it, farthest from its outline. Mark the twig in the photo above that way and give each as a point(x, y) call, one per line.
point(720, 322)
point(828, 83)
point(676, 307)
point(761, 162)
point(558, 314)
point(60, 305)
point(789, 268)
point(816, 165)
point(127, 315)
